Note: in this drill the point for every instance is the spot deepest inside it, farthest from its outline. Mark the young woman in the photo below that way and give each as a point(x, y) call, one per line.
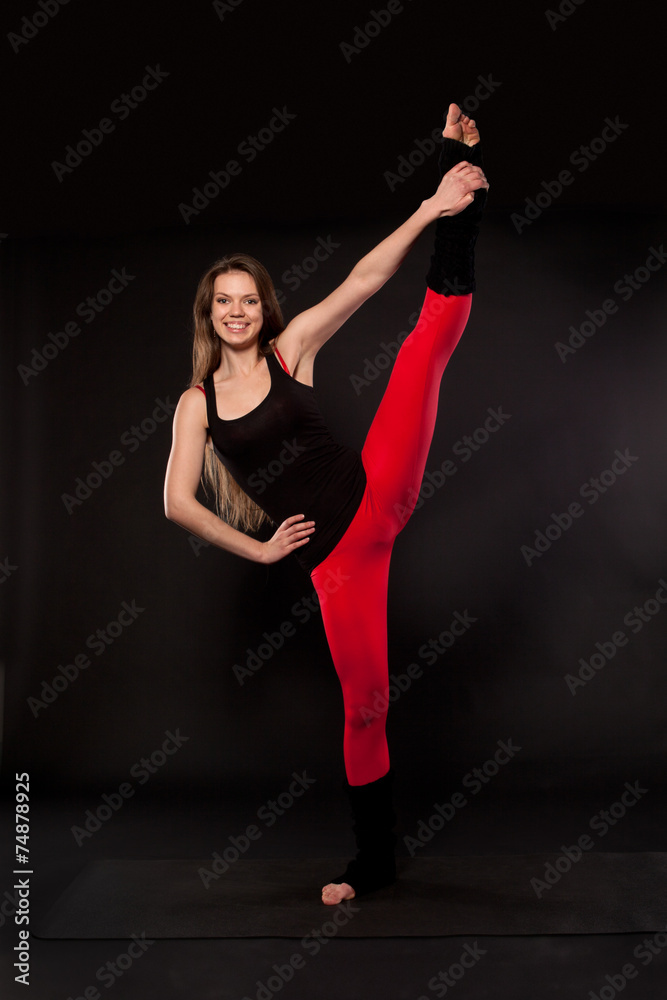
point(338, 512)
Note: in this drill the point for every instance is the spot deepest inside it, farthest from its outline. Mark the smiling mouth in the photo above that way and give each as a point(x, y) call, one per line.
point(237, 326)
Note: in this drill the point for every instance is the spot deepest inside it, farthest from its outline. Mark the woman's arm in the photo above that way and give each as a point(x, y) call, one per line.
point(182, 481)
point(307, 332)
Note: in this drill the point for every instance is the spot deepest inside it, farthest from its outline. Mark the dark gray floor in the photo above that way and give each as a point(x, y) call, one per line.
point(467, 968)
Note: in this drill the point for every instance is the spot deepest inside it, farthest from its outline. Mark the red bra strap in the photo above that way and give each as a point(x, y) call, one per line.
point(278, 355)
point(202, 389)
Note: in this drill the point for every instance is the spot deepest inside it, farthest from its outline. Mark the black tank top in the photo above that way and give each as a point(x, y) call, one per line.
point(283, 456)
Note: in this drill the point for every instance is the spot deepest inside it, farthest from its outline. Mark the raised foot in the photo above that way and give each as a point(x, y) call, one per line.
point(335, 893)
point(460, 127)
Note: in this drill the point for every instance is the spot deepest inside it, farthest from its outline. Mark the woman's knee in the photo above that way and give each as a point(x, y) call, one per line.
point(367, 713)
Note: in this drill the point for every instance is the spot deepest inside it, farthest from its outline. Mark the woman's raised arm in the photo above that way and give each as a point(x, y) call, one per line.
point(307, 332)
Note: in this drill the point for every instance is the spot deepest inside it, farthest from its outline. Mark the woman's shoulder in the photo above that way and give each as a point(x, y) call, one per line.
point(191, 412)
point(193, 400)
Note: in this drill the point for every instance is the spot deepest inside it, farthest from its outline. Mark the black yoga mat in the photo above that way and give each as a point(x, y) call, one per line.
point(598, 894)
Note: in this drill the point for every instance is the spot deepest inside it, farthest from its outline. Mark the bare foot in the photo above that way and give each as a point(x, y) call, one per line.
point(335, 893)
point(460, 127)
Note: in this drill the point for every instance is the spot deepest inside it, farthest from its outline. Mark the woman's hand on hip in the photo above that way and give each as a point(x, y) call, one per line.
point(292, 533)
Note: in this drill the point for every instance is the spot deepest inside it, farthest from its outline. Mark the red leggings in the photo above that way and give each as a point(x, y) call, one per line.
point(352, 581)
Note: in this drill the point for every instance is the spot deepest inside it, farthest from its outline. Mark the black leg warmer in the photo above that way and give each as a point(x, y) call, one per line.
point(374, 819)
point(452, 270)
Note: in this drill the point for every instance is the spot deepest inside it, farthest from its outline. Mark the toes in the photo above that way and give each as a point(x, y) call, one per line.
point(453, 114)
point(335, 893)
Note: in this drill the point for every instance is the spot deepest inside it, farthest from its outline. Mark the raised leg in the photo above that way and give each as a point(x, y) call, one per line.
point(398, 442)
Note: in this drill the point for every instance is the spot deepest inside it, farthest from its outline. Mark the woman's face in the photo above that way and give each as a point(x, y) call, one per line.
point(236, 309)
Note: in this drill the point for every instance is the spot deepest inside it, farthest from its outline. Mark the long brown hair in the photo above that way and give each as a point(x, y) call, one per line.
point(232, 503)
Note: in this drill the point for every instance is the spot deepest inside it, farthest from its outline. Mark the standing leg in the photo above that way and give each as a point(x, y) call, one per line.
point(352, 586)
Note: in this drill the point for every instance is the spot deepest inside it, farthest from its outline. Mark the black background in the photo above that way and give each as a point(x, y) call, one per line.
point(325, 176)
